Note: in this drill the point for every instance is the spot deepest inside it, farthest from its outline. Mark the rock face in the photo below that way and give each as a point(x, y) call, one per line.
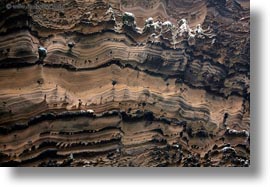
point(124, 83)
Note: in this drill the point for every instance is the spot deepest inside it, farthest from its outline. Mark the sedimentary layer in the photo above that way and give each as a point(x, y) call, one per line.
point(124, 83)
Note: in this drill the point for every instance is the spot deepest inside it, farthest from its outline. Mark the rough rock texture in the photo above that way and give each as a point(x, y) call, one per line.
point(124, 83)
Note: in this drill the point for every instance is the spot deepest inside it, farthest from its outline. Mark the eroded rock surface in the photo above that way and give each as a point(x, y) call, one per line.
point(125, 83)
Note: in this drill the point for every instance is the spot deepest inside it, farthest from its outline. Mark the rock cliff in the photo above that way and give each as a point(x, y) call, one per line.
point(125, 83)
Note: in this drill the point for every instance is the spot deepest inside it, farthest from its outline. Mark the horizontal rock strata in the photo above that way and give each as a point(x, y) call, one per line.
point(125, 83)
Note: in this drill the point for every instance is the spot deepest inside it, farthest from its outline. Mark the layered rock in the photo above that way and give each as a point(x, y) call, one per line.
point(124, 83)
